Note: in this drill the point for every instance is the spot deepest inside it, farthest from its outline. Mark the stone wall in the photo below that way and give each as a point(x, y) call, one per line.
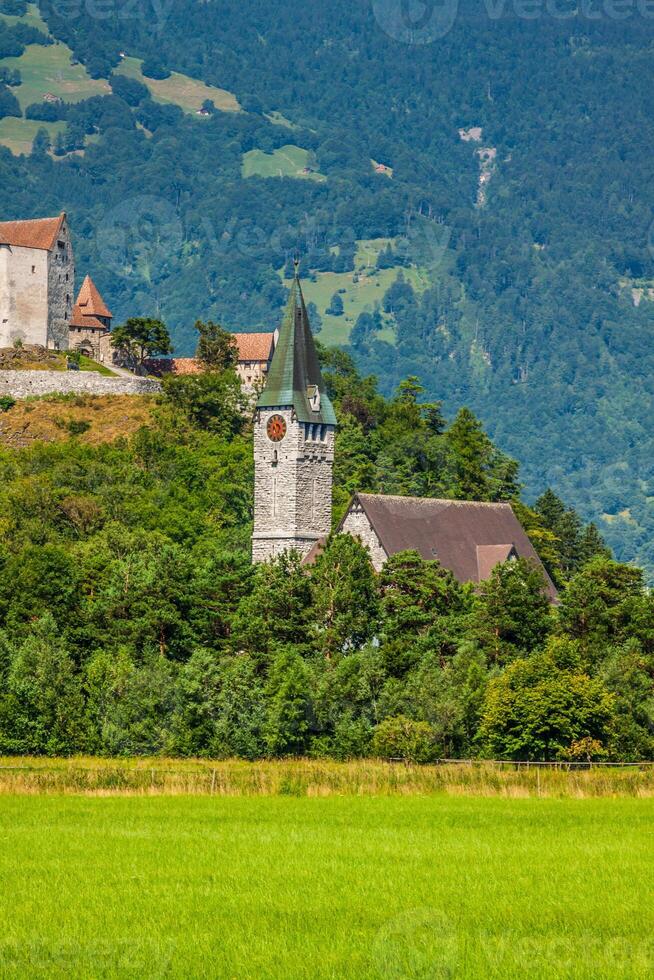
point(24, 384)
point(357, 524)
point(61, 286)
point(292, 486)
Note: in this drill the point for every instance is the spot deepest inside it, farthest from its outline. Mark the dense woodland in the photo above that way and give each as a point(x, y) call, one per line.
point(530, 318)
point(132, 620)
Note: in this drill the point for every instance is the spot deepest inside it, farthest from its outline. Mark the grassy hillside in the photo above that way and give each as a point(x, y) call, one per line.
point(285, 161)
point(47, 69)
point(91, 419)
point(366, 888)
point(360, 291)
point(177, 89)
point(44, 69)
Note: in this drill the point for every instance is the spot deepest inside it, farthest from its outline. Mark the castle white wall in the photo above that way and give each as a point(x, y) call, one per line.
point(23, 295)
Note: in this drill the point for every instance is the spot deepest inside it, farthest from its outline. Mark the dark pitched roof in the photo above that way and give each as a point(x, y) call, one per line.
point(294, 374)
point(33, 233)
point(468, 537)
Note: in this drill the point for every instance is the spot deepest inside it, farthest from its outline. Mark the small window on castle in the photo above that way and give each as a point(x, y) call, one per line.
point(66, 277)
point(323, 433)
point(33, 269)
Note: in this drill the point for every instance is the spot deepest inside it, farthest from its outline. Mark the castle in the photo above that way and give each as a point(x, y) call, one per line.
point(37, 283)
point(37, 279)
point(294, 424)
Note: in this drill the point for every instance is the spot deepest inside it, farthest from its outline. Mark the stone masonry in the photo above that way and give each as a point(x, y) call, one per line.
point(357, 524)
point(37, 279)
point(26, 384)
point(293, 485)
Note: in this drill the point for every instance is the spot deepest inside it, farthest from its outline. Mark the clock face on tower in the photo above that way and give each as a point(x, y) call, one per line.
point(276, 428)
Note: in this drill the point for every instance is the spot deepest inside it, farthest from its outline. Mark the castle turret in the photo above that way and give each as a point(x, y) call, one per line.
point(293, 443)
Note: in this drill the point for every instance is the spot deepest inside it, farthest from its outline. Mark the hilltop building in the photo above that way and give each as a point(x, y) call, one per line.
point(255, 352)
point(90, 323)
point(294, 430)
point(37, 280)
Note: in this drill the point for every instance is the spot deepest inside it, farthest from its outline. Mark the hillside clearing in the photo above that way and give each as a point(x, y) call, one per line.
point(347, 886)
point(92, 419)
point(188, 93)
point(31, 19)
point(18, 134)
point(48, 69)
point(361, 295)
point(286, 161)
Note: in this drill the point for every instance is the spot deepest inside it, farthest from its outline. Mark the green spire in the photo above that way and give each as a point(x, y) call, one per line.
point(294, 378)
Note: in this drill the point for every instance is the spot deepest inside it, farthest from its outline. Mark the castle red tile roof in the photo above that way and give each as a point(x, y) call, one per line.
point(251, 347)
point(254, 346)
point(35, 233)
point(89, 308)
point(90, 300)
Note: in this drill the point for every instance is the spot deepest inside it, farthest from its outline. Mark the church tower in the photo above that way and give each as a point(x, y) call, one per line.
point(293, 443)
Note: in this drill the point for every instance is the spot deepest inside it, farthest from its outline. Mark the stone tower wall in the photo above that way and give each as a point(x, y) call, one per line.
point(292, 492)
point(61, 289)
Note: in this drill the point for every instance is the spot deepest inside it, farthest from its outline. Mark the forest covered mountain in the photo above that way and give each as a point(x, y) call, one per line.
point(484, 200)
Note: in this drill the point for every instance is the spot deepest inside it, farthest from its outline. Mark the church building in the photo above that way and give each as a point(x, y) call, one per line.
point(294, 430)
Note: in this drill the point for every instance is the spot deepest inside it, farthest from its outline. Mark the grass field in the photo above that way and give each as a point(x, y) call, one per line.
point(43, 69)
point(286, 161)
point(48, 69)
point(369, 887)
point(32, 19)
point(188, 93)
point(18, 134)
point(358, 296)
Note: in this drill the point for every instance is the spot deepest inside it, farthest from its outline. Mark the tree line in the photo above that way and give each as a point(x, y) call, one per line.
point(133, 622)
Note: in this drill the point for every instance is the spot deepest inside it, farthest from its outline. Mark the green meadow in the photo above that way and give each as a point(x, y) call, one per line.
point(285, 161)
point(340, 886)
point(361, 290)
point(188, 93)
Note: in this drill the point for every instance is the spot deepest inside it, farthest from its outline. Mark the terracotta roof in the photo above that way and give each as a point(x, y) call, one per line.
point(315, 552)
point(35, 233)
point(251, 347)
point(468, 537)
point(90, 300)
point(80, 319)
point(254, 346)
point(173, 365)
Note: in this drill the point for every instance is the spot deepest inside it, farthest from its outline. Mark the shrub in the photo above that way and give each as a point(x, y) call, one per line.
point(78, 427)
point(6, 402)
point(403, 738)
